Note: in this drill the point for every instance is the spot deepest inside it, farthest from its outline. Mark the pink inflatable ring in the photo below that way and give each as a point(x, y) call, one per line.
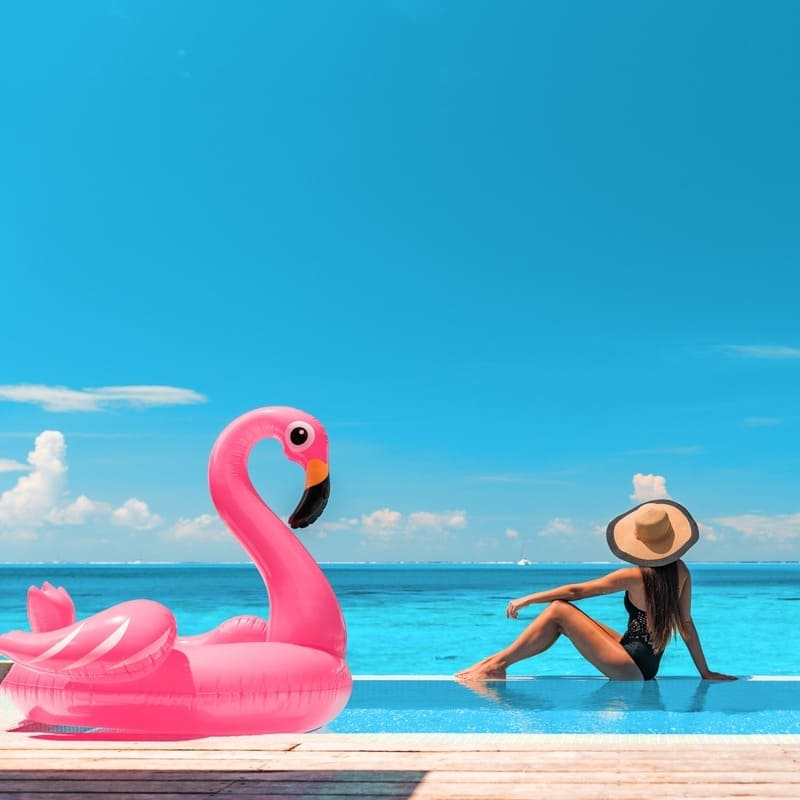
point(126, 669)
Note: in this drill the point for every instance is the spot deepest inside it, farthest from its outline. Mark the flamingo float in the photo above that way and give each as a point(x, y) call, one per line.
point(126, 669)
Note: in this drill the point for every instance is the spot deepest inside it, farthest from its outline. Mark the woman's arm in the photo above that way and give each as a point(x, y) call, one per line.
point(612, 582)
point(692, 639)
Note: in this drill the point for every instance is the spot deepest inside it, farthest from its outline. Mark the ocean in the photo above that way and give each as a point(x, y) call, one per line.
point(434, 619)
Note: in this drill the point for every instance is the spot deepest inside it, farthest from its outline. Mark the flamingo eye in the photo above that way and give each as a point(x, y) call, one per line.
point(300, 435)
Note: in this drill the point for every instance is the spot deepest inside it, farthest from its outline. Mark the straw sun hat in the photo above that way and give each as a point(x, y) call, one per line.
point(652, 534)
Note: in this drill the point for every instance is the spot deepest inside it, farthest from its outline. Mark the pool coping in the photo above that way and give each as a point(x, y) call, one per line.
point(410, 740)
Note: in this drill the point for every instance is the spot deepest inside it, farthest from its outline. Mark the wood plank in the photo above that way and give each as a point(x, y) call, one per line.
point(218, 764)
point(405, 767)
point(519, 791)
point(618, 791)
point(523, 741)
point(574, 792)
point(419, 762)
point(425, 761)
point(274, 781)
point(53, 741)
point(112, 795)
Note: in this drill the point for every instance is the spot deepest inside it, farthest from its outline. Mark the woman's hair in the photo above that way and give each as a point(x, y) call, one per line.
point(663, 610)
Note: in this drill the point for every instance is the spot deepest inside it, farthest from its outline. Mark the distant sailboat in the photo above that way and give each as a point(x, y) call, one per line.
point(523, 562)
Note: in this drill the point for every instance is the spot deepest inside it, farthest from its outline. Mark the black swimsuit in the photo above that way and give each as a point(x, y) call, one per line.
point(636, 641)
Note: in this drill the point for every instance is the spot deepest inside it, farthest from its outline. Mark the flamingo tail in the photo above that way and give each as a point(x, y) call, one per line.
point(49, 608)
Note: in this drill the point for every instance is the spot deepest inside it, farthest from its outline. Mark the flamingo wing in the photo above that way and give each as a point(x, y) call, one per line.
point(127, 641)
point(244, 628)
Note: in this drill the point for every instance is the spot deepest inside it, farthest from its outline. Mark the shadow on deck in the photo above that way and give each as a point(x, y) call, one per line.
point(192, 785)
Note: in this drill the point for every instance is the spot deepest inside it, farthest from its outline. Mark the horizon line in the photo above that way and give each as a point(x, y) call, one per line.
point(361, 563)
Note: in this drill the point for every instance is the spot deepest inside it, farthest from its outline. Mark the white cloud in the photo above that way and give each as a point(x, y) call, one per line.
point(18, 535)
point(558, 526)
point(35, 494)
point(205, 527)
point(432, 521)
point(77, 512)
point(780, 527)
point(532, 479)
point(764, 351)
point(40, 498)
point(511, 533)
point(135, 514)
point(667, 451)
point(649, 487)
point(708, 533)
point(386, 521)
point(148, 395)
point(60, 398)
point(762, 422)
point(9, 465)
point(342, 524)
point(381, 521)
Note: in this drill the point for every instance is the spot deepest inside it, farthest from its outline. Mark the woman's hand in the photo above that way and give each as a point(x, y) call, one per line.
point(514, 606)
point(717, 676)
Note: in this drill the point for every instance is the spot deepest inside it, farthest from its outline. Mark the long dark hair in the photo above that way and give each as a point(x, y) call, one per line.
point(663, 609)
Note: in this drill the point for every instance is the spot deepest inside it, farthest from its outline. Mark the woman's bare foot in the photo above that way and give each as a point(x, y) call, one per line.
point(487, 669)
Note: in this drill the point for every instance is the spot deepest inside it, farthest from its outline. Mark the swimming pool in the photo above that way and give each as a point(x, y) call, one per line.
point(431, 704)
point(438, 704)
point(434, 619)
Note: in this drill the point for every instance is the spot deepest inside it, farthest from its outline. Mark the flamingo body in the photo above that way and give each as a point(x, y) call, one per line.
point(126, 669)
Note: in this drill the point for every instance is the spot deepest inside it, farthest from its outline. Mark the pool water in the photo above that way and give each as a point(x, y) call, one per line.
point(571, 705)
point(434, 619)
point(432, 704)
point(404, 620)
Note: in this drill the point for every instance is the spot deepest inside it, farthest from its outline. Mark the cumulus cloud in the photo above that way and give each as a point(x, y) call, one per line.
point(381, 521)
point(35, 494)
point(649, 487)
point(40, 498)
point(205, 527)
point(77, 512)
point(511, 533)
point(341, 524)
point(779, 527)
point(385, 522)
point(9, 465)
point(763, 351)
point(708, 533)
point(18, 535)
point(61, 398)
point(135, 514)
point(432, 521)
point(557, 527)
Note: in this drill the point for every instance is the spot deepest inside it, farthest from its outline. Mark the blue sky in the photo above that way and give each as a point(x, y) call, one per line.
point(511, 255)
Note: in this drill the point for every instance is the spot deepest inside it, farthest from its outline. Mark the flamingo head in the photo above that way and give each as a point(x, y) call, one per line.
point(306, 443)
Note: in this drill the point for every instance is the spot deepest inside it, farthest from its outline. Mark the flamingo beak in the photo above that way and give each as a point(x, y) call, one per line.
point(315, 497)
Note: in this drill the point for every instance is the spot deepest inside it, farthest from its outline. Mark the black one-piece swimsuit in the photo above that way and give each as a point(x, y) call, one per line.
point(636, 640)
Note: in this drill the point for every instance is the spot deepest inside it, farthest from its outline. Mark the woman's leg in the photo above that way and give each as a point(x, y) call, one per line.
point(597, 643)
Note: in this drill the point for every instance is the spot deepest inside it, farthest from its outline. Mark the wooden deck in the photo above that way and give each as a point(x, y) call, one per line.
point(401, 766)
point(39, 766)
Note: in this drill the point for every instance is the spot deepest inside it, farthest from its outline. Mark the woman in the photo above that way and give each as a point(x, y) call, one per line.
point(658, 598)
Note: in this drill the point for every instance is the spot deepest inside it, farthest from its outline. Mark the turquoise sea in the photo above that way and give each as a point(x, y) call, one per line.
point(433, 619)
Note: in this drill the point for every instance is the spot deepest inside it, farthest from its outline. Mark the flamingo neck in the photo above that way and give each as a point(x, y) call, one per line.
point(303, 606)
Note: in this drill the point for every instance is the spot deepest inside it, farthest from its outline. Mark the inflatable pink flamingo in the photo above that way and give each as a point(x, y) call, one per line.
point(126, 669)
